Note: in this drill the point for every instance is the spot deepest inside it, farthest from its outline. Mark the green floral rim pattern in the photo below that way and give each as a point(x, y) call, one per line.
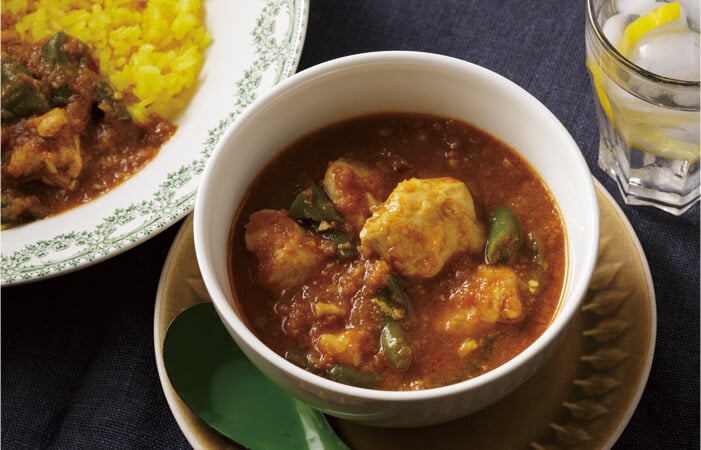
point(126, 227)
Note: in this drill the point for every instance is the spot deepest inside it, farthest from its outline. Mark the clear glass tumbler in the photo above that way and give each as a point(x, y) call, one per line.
point(643, 60)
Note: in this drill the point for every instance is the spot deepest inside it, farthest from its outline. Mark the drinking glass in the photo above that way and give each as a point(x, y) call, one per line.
point(645, 77)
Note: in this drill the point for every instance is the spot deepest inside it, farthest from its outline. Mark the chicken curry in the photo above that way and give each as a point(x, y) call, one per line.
point(399, 252)
point(67, 136)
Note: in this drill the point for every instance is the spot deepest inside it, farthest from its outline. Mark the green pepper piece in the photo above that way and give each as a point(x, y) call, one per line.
point(21, 96)
point(345, 246)
point(313, 204)
point(395, 345)
point(348, 375)
point(504, 239)
point(298, 357)
point(391, 299)
point(52, 51)
point(396, 289)
point(107, 102)
point(59, 96)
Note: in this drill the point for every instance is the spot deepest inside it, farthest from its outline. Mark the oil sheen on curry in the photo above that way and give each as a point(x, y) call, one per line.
point(399, 252)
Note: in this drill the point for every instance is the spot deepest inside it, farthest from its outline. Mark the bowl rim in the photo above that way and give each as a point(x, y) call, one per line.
point(244, 337)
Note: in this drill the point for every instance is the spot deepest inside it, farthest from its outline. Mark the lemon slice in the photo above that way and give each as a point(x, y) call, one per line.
point(662, 15)
point(599, 88)
point(669, 12)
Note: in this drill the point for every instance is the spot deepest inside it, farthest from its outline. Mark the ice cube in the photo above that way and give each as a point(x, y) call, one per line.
point(614, 26)
point(690, 11)
point(635, 6)
point(669, 52)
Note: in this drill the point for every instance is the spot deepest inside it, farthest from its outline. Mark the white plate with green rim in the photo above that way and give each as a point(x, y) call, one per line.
point(254, 46)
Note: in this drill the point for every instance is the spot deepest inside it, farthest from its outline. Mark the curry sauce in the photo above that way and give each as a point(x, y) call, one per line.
point(67, 136)
point(398, 251)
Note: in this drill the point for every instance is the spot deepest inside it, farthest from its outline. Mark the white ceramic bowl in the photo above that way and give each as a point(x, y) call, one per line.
point(395, 81)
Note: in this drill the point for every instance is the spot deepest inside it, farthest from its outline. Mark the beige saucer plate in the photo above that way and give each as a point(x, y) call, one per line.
point(582, 398)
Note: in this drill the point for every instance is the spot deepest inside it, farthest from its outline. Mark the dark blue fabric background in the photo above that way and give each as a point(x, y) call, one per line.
point(78, 369)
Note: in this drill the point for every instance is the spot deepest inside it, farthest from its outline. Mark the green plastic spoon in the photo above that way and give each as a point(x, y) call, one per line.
point(222, 387)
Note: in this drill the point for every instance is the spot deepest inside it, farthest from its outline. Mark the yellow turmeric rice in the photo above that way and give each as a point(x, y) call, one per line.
point(151, 50)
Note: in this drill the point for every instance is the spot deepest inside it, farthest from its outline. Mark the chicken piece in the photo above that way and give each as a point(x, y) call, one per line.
point(287, 254)
point(468, 346)
point(57, 163)
point(48, 151)
point(323, 309)
point(499, 294)
point(51, 123)
point(59, 167)
point(492, 294)
point(422, 224)
point(345, 347)
point(354, 190)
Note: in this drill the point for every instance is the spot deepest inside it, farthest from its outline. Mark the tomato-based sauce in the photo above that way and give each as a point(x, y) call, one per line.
point(67, 136)
point(439, 253)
